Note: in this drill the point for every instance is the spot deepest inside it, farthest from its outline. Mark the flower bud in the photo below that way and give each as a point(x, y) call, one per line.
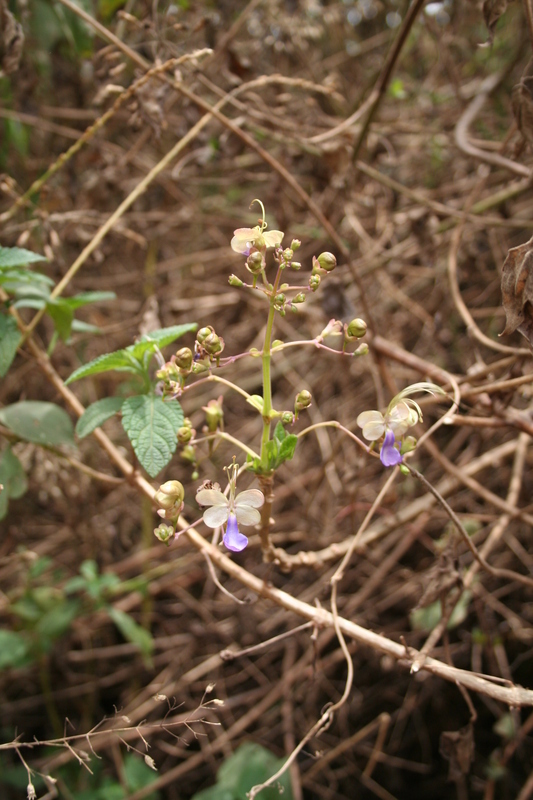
point(355, 329)
point(184, 435)
point(183, 358)
point(276, 343)
point(303, 400)
point(296, 265)
point(408, 445)
point(214, 415)
point(203, 333)
point(169, 494)
point(233, 280)
point(280, 299)
point(189, 453)
point(287, 417)
point(288, 254)
point(213, 344)
point(327, 261)
point(165, 533)
point(167, 373)
point(254, 352)
point(255, 263)
point(362, 350)
point(300, 298)
point(295, 244)
point(314, 282)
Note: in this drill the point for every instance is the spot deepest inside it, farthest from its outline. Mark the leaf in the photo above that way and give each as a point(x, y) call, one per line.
point(131, 631)
point(151, 424)
point(9, 341)
point(14, 649)
point(85, 298)
point(13, 478)
point(165, 336)
point(138, 775)
point(96, 414)
point(38, 422)
point(288, 446)
point(62, 316)
point(120, 360)
point(249, 765)
point(517, 291)
point(18, 257)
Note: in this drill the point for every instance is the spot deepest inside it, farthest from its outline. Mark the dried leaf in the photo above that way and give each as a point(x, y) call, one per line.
point(11, 40)
point(457, 747)
point(517, 291)
point(492, 11)
point(522, 102)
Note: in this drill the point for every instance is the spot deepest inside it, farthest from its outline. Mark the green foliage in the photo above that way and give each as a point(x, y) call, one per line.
point(38, 422)
point(151, 424)
point(96, 414)
point(150, 421)
point(46, 610)
point(9, 341)
point(250, 765)
point(12, 478)
point(278, 450)
point(428, 617)
point(17, 257)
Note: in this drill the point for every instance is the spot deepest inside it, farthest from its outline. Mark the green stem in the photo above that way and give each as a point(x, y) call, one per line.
point(267, 379)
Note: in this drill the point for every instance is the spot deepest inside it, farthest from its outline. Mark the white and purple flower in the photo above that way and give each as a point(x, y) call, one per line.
point(233, 510)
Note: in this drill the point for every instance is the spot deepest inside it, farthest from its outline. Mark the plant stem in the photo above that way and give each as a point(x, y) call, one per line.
point(267, 380)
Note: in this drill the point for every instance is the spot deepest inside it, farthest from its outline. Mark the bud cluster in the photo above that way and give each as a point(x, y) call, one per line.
point(207, 348)
point(169, 497)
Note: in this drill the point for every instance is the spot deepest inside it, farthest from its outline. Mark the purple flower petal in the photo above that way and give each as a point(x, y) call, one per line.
point(389, 455)
point(233, 538)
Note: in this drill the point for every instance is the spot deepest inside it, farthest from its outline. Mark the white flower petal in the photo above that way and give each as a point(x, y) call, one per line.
point(211, 497)
point(273, 238)
point(369, 416)
point(216, 516)
point(246, 515)
point(251, 497)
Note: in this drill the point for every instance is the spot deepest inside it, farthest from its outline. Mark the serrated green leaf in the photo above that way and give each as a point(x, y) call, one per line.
point(9, 341)
point(39, 422)
point(96, 414)
point(85, 298)
point(151, 424)
point(120, 360)
point(131, 631)
point(165, 336)
point(18, 257)
point(279, 432)
point(79, 326)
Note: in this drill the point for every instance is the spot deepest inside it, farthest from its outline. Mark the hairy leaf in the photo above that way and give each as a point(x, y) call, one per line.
point(39, 422)
point(151, 424)
point(96, 414)
point(120, 360)
point(18, 257)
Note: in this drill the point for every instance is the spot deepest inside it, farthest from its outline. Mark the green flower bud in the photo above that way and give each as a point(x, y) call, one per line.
point(203, 333)
point(169, 494)
point(355, 329)
point(167, 373)
point(327, 261)
point(295, 244)
point(198, 367)
point(362, 350)
point(184, 358)
point(255, 263)
point(314, 282)
point(165, 533)
point(214, 415)
point(300, 298)
point(233, 280)
point(276, 343)
point(280, 299)
point(303, 400)
point(408, 445)
point(213, 344)
point(254, 352)
point(288, 254)
point(184, 434)
point(189, 453)
point(287, 417)
point(296, 265)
